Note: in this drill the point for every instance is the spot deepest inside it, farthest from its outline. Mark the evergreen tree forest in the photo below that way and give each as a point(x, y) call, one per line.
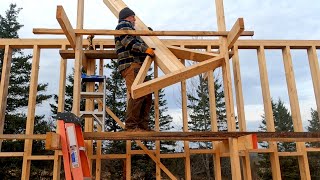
point(17, 103)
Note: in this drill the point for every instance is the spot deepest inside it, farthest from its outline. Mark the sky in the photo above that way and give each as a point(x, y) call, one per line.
point(269, 19)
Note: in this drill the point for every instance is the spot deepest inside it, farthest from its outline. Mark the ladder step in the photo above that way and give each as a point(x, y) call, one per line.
point(92, 95)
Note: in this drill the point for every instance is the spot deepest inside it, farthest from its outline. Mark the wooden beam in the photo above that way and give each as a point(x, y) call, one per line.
point(31, 112)
point(143, 71)
point(137, 32)
point(23, 136)
point(235, 32)
point(157, 121)
point(52, 141)
point(238, 89)
point(165, 59)
point(188, 43)
point(144, 148)
point(66, 26)
point(172, 78)
point(190, 54)
point(4, 85)
point(315, 74)
point(90, 54)
point(274, 157)
point(295, 111)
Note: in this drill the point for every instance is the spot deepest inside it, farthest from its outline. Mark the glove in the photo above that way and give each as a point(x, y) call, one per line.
point(150, 28)
point(150, 52)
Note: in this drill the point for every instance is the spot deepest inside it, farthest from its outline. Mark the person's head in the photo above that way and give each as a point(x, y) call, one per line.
point(127, 14)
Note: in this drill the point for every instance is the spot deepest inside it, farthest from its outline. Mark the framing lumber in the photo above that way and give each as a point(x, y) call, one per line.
point(172, 78)
point(199, 136)
point(165, 59)
point(274, 156)
point(157, 122)
point(315, 74)
point(143, 147)
point(190, 54)
point(213, 120)
point(143, 71)
point(90, 54)
point(137, 32)
point(31, 112)
point(188, 43)
point(184, 102)
point(4, 85)
point(295, 111)
point(66, 26)
point(238, 89)
point(235, 32)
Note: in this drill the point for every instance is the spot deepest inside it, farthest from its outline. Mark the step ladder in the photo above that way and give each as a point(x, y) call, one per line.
point(75, 160)
point(99, 116)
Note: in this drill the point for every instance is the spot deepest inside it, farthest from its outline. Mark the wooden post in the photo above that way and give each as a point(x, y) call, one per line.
point(238, 89)
point(31, 112)
point(240, 110)
point(78, 61)
point(315, 74)
point(214, 123)
point(295, 111)
point(61, 104)
point(274, 155)
point(227, 84)
point(187, 163)
point(157, 122)
point(4, 84)
point(100, 108)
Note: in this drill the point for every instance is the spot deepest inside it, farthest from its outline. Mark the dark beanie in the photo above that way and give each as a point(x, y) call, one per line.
point(126, 12)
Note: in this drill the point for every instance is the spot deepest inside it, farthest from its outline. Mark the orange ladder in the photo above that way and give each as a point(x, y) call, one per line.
point(75, 160)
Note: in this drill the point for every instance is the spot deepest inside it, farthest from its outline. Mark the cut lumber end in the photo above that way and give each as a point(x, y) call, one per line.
point(59, 11)
point(52, 141)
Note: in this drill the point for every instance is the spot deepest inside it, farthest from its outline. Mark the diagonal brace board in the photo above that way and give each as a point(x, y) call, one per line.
point(178, 76)
point(165, 59)
point(143, 71)
point(144, 148)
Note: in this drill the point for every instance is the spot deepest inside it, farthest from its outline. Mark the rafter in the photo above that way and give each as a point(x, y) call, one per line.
point(66, 26)
point(165, 59)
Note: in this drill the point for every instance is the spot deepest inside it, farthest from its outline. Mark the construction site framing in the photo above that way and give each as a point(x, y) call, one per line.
point(231, 145)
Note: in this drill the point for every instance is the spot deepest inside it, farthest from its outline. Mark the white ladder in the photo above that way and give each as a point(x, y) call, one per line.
point(99, 116)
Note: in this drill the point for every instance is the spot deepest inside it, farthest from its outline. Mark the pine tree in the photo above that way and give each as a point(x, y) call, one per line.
point(17, 102)
point(314, 157)
point(199, 106)
point(283, 123)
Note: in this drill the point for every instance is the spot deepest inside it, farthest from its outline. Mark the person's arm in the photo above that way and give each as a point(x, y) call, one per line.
point(130, 42)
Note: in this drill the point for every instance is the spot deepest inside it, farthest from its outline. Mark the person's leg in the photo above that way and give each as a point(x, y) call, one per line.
point(145, 112)
point(134, 105)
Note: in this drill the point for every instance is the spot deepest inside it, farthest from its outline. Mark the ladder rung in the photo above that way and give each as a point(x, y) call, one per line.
point(92, 95)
